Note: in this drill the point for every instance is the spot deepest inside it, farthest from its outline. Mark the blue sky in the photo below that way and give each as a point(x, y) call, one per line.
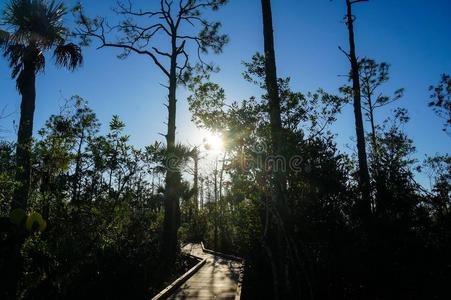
point(414, 36)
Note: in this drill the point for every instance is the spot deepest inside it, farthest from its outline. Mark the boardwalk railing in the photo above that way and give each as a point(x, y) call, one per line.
point(178, 282)
point(228, 256)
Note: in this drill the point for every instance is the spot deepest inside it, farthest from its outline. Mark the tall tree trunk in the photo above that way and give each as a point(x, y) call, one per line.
point(216, 180)
point(171, 202)
point(221, 174)
point(364, 177)
point(201, 193)
point(24, 138)
point(379, 182)
point(371, 117)
point(274, 99)
point(215, 209)
point(27, 88)
point(373, 126)
point(196, 180)
point(277, 238)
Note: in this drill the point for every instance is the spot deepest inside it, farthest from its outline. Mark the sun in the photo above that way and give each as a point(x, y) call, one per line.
point(213, 142)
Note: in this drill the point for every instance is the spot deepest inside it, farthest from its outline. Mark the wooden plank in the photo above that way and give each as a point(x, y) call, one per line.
point(219, 278)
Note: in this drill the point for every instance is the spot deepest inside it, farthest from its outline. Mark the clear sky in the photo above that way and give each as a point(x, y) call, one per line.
point(414, 36)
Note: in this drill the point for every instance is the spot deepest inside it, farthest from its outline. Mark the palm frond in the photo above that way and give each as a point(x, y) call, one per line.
point(18, 54)
point(39, 62)
point(36, 21)
point(34, 27)
point(4, 38)
point(68, 55)
point(15, 53)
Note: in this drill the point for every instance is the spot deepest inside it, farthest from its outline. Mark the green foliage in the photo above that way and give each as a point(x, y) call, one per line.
point(7, 182)
point(207, 102)
point(322, 193)
point(95, 216)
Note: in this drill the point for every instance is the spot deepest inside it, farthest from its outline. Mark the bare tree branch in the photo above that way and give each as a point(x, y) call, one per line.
point(344, 52)
point(357, 1)
point(137, 38)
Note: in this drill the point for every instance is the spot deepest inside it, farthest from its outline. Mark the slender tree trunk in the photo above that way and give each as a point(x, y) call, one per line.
point(216, 180)
point(372, 122)
point(201, 193)
point(171, 203)
point(364, 177)
point(373, 127)
point(215, 209)
point(378, 203)
point(77, 171)
point(27, 88)
point(196, 180)
point(24, 137)
point(278, 231)
point(221, 175)
point(377, 179)
point(274, 99)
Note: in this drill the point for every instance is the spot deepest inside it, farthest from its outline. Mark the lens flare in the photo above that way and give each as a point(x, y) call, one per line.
point(214, 142)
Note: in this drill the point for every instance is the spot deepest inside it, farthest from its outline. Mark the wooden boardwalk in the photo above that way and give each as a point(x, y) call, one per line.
point(218, 278)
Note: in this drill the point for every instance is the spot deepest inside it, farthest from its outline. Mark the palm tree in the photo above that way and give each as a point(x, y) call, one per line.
point(31, 29)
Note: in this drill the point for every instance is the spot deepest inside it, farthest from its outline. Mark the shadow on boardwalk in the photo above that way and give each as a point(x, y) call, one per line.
point(217, 279)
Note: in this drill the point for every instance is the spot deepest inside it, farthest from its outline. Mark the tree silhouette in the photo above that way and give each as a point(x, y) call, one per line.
point(372, 76)
point(278, 243)
point(364, 176)
point(274, 100)
point(34, 28)
point(276, 239)
point(172, 20)
point(441, 101)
